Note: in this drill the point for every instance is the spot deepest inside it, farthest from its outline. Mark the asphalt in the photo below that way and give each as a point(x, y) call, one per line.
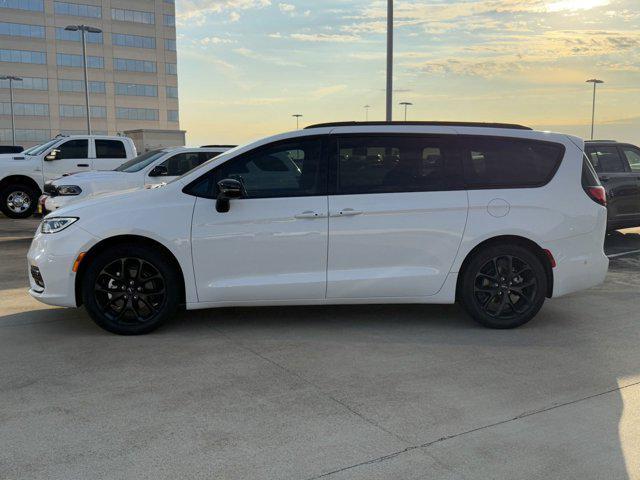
point(365, 392)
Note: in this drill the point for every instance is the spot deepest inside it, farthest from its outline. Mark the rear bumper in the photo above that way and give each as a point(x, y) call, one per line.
point(581, 261)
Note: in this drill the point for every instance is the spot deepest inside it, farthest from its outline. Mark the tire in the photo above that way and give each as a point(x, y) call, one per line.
point(147, 297)
point(18, 200)
point(503, 286)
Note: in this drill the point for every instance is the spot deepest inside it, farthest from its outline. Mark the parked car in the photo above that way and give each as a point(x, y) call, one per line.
point(10, 149)
point(23, 175)
point(498, 217)
point(618, 167)
point(149, 169)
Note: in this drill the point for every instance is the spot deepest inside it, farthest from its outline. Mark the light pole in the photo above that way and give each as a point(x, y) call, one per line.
point(83, 29)
point(12, 78)
point(389, 60)
point(366, 112)
point(297, 115)
point(405, 105)
point(595, 82)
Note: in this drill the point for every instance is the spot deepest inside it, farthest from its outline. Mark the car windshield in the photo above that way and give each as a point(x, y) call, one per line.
point(222, 156)
point(141, 161)
point(38, 149)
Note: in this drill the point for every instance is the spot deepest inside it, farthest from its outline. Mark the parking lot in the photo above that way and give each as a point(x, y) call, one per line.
point(353, 392)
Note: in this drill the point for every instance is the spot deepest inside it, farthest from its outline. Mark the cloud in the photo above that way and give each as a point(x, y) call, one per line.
point(325, 37)
point(198, 11)
point(326, 91)
point(286, 7)
point(215, 41)
point(263, 57)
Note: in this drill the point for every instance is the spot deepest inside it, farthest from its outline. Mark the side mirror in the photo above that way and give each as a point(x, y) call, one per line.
point(52, 155)
point(158, 171)
point(228, 188)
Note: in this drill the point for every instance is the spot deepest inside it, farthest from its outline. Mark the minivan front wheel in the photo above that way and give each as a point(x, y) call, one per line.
point(503, 286)
point(129, 290)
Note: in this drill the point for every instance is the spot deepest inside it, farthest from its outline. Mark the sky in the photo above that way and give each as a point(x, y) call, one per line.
point(246, 66)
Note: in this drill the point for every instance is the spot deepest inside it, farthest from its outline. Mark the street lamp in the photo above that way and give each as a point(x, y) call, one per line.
point(405, 104)
point(83, 30)
point(297, 115)
point(389, 60)
point(366, 112)
point(12, 78)
point(595, 82)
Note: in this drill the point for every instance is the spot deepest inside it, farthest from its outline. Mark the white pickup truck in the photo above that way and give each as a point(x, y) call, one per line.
point(23, 175)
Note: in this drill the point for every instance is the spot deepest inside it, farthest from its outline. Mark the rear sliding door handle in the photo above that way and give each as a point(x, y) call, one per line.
point(310, 214)
point(347, 212)
point(83, 165)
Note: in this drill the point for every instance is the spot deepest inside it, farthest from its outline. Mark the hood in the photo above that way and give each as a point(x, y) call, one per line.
point(88, 177)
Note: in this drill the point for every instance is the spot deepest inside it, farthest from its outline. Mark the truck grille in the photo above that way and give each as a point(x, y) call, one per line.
point(50, 189)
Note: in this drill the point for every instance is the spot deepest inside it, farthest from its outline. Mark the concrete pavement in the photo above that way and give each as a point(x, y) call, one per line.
point(366, 392)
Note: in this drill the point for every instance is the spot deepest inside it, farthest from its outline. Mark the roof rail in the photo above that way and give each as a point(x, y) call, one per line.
point(440, 124)
point(218, 146)
point(601, 141)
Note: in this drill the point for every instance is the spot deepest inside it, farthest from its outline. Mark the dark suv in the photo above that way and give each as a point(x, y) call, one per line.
point(618, 166)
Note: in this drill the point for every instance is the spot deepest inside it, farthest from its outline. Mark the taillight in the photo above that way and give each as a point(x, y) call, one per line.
point(597, 194)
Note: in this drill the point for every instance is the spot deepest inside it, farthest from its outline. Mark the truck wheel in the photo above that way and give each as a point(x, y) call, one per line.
point(18, 201)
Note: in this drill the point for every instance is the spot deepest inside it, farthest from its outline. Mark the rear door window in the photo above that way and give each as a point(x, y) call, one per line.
point(632, 156)
point(110, 149)
point(398, 163)
point(606, 159)
point(183, 162)
point(499, 162)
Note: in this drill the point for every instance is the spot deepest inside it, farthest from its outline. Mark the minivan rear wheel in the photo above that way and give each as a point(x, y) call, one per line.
point(503, 286)
point(130, 290)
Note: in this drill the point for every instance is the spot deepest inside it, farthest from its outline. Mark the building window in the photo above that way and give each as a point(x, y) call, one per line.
point(169, 20)
point(27, 83)
point(21, 30)
point(137, 113)
point(75, 111)
point(137, 41)
point(171, 68)
point(172, 115)
point(70, 60)
point(172, 92)
point(65, 85)
point(170, 44)
point(23, 56)
point(25, 135)
point(139, 90)
point(130, 65)
point(77, 10)
point(134, 16)
point(33, 5)
point(25, 109)
point(172, 2)
point(70, 36)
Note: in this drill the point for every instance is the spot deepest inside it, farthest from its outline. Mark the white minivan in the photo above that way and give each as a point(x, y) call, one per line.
point(495, 216)
point(23, 175)
point(147, 170)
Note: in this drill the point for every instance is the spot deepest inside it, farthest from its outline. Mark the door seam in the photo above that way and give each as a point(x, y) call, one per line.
point(326, 270)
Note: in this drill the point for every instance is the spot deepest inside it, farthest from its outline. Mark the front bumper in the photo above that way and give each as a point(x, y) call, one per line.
point(53, 255)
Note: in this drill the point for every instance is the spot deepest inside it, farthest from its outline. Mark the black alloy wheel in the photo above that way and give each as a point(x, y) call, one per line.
point(130, 290)
point(504, 286)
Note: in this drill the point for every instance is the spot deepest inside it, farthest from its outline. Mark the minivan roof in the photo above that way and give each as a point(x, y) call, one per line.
point(441, 124)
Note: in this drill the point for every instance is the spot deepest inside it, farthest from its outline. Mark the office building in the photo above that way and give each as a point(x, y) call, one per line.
point(132, 67)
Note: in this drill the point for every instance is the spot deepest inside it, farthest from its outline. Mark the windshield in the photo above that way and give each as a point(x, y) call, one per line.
point(222, 156)
point(38, 149)
point(141, 161)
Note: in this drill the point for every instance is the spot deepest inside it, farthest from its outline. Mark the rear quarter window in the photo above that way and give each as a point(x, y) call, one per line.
point(500, 162)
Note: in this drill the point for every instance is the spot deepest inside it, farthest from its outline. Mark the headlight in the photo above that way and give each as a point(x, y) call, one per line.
point(69, 190)
point(56, 224)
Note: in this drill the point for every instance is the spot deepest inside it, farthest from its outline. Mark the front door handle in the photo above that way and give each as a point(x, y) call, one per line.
point(309, 214)
point(348, 212)
point(83, 165)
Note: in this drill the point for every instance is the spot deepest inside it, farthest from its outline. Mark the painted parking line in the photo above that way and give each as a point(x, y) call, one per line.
point(631, 252)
